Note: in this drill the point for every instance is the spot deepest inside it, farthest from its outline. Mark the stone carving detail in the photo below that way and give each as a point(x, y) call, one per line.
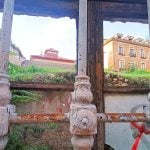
point(83, 120)
point(82, 92)
point(81, 143)
point(83, 115)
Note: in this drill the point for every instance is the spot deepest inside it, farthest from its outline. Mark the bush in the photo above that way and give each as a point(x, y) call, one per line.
point(17, 139)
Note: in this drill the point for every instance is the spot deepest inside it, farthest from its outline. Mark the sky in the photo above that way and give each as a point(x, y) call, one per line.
point(35, 34)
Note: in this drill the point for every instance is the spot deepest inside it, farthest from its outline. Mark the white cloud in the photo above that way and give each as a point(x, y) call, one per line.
point(35, 34)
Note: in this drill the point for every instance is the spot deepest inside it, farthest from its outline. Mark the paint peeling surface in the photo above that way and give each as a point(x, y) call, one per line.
point(38, 118)
point(122, 117)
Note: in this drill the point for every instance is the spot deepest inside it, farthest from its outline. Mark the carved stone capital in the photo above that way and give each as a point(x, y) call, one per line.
point(82, 90)
point(5, 94)
point(4, 121)
point(82, 142)
point(83, 119)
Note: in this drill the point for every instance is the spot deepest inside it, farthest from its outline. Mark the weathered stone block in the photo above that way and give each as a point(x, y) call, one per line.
point(82, 143)
point(82, 90)
point(4, 121)
point(83, 119)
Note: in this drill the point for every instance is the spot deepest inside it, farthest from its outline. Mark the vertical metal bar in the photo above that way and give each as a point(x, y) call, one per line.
point(82, 51)
point(148, 9)
point(83, 115)
point(5, 95)
point(5, 36)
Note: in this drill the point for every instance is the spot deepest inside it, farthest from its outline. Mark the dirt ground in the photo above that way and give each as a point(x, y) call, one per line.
point(54, 136)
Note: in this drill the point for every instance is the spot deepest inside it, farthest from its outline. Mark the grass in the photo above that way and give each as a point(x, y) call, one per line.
point(19, 134)
point(135, 74)
point(62, 75)
point(132, 73)
point(40, 74)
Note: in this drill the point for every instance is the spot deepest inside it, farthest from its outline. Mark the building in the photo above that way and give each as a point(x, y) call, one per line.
point(15, 55)
point(126, 52)
point(50, 58)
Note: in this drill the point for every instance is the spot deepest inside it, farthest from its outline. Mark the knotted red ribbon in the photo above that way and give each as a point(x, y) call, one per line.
point(142, 130)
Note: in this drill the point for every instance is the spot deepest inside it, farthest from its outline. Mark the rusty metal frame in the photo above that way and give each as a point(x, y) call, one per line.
point(64, 118)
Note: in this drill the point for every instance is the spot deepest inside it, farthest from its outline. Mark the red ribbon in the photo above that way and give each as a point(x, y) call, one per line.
point(142, 130)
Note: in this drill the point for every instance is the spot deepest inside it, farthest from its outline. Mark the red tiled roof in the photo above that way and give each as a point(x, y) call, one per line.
point(58, 59)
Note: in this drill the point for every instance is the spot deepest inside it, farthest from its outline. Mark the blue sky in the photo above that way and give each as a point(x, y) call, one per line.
point(138, 30)
point(35, 34)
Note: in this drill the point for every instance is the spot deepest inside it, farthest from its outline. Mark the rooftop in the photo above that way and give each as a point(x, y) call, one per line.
point(128, 39)
point(51, 55)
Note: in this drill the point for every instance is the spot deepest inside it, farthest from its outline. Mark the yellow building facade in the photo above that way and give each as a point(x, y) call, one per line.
point(126, 52)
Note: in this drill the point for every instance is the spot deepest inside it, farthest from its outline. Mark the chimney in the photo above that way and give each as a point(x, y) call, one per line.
point(118, 35)
point(130, 38)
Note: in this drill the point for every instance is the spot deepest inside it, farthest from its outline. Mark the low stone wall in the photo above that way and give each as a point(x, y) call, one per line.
point(116, 80)
point(46, 63)
point(50, 102)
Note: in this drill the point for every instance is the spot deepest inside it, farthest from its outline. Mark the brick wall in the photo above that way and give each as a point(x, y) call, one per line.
point(113, 57)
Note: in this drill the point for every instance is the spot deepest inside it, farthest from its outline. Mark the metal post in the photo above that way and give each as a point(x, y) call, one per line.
point(148, 10)
point(5, 95)
point(83, 115)
point(82, 38)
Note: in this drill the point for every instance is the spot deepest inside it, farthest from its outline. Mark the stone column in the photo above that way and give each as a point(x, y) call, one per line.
point(83, 115)
point(5, 95)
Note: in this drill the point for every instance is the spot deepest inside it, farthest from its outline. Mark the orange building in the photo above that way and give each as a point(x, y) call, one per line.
point(126, 52)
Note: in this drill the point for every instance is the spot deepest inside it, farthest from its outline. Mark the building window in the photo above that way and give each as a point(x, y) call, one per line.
point(132, 65)
point(121, 51)
point(143, 66)
point(142, 53)
point(121, 64)
point(132, 53)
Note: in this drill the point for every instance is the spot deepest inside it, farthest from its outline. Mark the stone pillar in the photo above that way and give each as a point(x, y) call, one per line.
point(5, 95)
point(83, 115)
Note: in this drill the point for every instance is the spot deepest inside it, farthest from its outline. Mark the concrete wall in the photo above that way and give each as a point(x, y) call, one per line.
point(51, 102)
point(119, 135)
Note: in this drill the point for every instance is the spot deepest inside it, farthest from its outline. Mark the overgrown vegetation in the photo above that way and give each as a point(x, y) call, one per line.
point(23, 96)
point(18, 137)
point(131, 73)
point(40, 74)
point(135, 74)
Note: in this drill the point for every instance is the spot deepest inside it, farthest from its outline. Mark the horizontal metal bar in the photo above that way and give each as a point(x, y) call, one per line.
point(121, 117)
point(38, 118)
point(64, 118)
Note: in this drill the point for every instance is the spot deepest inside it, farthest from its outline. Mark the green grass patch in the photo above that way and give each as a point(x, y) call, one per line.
point(131, 74)
point(135, 74)
point(40, 74)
